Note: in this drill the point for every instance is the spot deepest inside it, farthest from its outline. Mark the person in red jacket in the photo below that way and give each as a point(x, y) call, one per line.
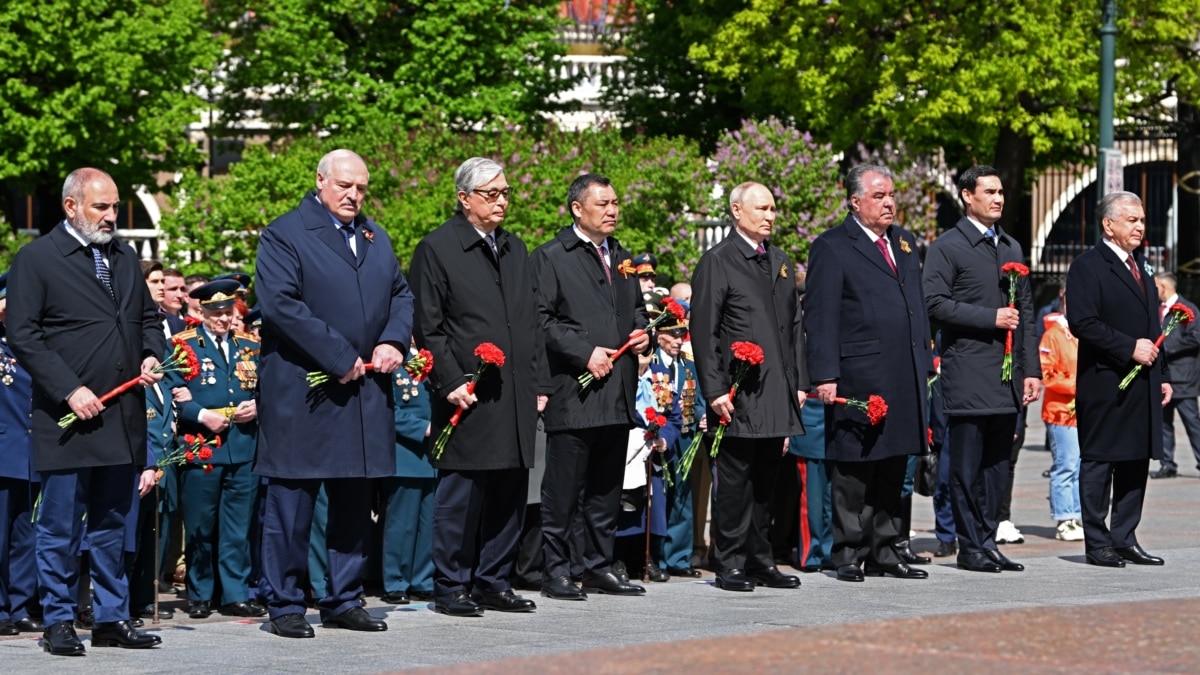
point(1058, 352)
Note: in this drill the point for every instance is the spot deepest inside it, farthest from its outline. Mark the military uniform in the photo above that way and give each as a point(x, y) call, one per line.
point(674, 555)
point(219, 500)
point(18, 493)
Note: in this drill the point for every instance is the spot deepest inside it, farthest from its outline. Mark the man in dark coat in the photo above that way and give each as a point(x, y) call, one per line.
point(1181, 350)
point(1112, 307)
point(333, 299)
point(967, 294)
point(472, 284)
point(83, 324)
point(589, 304)
point(863, 303)
point(744, 290)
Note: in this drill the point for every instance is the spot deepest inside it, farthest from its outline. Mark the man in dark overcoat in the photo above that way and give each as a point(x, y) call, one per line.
point(589, 304)
point(19, 484)
point(333, 299)
point(83, 324)
point(472, 283)
point(967, 294)
point(1181, 350)
point(863, 304)
point(743, 290)
point(1112, 307)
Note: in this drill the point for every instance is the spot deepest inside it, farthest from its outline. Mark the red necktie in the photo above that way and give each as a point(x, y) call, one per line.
point(1162, 313)
point(1134, 271)
point(881, 244)
point(604, 261)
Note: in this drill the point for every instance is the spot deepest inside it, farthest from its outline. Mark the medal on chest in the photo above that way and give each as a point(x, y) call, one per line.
point(208, 371)
point(8, 368)
point(687, 400)
point(407, 388)
point(247, 370)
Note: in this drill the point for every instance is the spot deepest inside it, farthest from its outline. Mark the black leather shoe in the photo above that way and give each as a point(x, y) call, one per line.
point(1163, 473)
point(84, 618)
point(356, 618)
point(1105, 557)
point(136, 622)
point(121, 634)
point(199, 609)
point(504, 601)
point(903, 548)
point(734, 580)
point(420, 596)
point(899, 570)
point(849, 573)
point(248, 609)
point(657, 574)
point(292, 626)
point(30, 624)
point(946, 549)
point(1137, 556)
point(60, 640)
point(1003, 561)
point(691, 572)
point(395, 598)
point(562, 588)
point(148, 613)
point(8, 627)
point(977, 562)
point(619, 571)
point(457, 604)
point(773, 578)
point(609, 584)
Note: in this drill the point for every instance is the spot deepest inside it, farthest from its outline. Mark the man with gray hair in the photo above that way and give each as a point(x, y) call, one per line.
point(1113, 309)
point(472, 283)
point(1182, 351)
point(333, 300)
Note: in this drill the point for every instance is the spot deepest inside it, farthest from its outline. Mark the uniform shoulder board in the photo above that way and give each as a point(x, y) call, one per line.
point(249, 337)
point(186, 334)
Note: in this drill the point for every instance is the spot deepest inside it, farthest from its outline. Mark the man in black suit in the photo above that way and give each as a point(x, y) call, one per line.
point(472, 284)
point(1112, 307)
point(743, 290)
point(589, 304)
point(863, 303)
point(1182, 352)
point(82, 324)
point(967, 294)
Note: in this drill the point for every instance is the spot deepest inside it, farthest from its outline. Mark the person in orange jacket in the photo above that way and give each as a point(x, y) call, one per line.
point(1058, 351)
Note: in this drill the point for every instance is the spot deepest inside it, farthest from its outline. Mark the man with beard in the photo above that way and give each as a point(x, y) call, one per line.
point(83, 324)
point(472, 284)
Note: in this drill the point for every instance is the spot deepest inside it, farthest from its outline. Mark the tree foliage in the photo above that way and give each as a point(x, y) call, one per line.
point(317, 65)
point(101, 83)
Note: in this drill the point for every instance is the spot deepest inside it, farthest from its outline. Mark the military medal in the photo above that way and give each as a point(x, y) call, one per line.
point(151, 413)
point(904, 245)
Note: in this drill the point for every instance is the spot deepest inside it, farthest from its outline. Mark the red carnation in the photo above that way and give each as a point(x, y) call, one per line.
point(1185, 312)
point(490, 353)
point(1018, 268)
point(672, 305)
point(216, 442)
point(660, 420)
point(876, 409)
point(748, 352)
point(1177, 314)
point(205, 453)
point(208, 468)
point(189, 455)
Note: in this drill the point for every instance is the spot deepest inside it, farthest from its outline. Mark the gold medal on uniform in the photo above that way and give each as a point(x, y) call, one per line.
point(151, 413)
point(247, 372)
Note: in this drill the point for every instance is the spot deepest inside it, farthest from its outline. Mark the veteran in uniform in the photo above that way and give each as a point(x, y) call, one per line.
point(219, 491)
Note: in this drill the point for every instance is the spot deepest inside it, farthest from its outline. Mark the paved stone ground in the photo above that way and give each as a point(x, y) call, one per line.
point(1059, 615)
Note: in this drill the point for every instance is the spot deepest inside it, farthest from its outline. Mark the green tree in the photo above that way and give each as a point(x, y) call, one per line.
point(320, 65)
point(101, 83)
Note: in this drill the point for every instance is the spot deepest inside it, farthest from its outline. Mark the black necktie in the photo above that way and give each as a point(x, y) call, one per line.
point(221, 348)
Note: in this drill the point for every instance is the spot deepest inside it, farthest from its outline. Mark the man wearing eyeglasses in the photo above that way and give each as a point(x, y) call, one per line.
point(473, 284)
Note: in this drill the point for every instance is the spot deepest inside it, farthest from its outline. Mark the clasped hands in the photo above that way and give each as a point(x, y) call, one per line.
point(385, 359)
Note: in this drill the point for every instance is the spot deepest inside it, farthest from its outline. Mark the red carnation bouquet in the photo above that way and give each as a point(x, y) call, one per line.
point(671, 308)
point(746, 355)
point(655, 421)
point(194, 449)
point(1177, 314)
point(1015, 271)
point(875, 407)
point(489, 355)
point(418, 367)
point(182, 360)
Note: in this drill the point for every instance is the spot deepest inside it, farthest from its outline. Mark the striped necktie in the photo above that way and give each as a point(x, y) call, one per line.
point(102, 272)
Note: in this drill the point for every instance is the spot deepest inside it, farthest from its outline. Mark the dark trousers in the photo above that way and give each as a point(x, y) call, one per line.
point(527, 571)
point(1190, 417)
point(980, 450)
point(943, 502)
point(476, 527)
point(866, 497)
point(584, 469)
point(287, 522)
point(18, 566)
point(216, 522)
point(407, 542)
point(701, 479)
point(745, 479)
point(143, 580)
point(104, 494)
point(1122, 482)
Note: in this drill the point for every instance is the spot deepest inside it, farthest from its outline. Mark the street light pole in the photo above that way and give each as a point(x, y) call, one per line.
point(1108, 49)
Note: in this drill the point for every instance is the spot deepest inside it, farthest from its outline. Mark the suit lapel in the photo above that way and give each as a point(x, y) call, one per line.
point(1122, 270)
point(864, 245)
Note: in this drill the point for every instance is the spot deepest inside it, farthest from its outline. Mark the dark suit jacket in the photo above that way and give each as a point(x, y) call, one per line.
point(738, 295)
point(1182, 348)
point(1108, 313)
point(868, 331)
point(963, 289)
point(16, 402)
point(322, 309)
point(465, 296)
point(579, 310)
point(66, 330)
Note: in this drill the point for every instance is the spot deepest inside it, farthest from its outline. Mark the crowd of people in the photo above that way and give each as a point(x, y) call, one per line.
point(579, 425)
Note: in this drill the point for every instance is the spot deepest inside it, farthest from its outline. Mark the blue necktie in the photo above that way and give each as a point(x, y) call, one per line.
point(102, 272)
point(991, 236)
point(348, 232)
